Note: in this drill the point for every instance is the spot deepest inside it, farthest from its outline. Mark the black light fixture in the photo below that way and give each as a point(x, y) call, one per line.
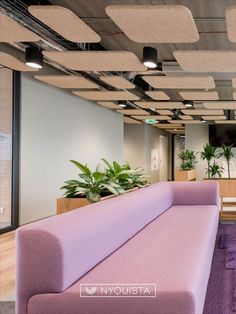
point(34, 57)
point(188, 103)
point(150, 57)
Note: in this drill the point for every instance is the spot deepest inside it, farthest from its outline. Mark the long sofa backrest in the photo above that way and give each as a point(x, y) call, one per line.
point(53, 253)
point(195, 193)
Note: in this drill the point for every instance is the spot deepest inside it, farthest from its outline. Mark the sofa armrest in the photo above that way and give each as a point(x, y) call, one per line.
point(195, 193)
point(38, 266)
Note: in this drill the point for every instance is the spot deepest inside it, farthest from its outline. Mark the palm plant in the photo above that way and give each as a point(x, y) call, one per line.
point(227, 153)
point(93, 184)
point(188, 157)
point(214, 170)
point(208, 153)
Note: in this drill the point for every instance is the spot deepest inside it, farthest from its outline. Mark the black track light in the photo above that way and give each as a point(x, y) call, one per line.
point(34, 57)
point(150, 57)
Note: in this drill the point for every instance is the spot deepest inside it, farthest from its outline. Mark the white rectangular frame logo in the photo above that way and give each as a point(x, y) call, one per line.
point(116, 290)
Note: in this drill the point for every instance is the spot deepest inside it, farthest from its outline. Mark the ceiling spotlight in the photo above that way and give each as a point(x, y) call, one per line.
point(122, 105)
point(150, 57)
point(34, 57)
point(188, 103)
point(151, 121)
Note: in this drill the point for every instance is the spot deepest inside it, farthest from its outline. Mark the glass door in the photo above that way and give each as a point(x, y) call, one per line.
point(8, 150)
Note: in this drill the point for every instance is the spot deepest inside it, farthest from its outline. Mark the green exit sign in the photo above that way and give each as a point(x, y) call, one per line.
point(151, 121)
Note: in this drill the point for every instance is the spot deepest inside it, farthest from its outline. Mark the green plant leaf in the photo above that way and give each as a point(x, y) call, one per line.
point(85, 177)
point(107, 164)
point(98, 176)
point(82, 167)
point(80, 189)
point(116, 167)
point(110, 188)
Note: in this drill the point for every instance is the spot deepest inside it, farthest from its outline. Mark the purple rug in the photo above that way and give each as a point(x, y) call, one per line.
point(221, 292)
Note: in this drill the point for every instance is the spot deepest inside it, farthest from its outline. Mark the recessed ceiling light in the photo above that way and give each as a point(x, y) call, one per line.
point(150, 57)
point(34, 57)
point(122, 105)
point(188, 103)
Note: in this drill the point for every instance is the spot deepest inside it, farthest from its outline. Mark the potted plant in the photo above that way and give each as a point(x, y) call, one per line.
point(227, 185)
point(93, 185)
point(124, 176)
point(186, 172)
point(108, 181)
point(208, 153)
point(227, 153)
point(214, 170)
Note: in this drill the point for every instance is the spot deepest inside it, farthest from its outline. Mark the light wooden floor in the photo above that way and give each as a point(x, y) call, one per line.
point(7, 266)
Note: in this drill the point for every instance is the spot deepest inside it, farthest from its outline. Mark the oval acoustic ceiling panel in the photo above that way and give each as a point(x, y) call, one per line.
point(130, 112)
point(213, 95)
point(230, 17)
point(14, 63)
point(157, 117)
point(12, 32)
point(65, 23)
point(180, 82)
point(206, 60)
point(106, 95)
point(225, 105)
point(67, 81)
point(225, 121)
point(96, 60)
point(155, 23)
point(160, 105)
point(157, 95)
point(211, 118)
point(203, 112)
point(185, 117)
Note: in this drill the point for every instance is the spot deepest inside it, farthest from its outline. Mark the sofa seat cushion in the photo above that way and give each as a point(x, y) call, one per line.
point(174, 252)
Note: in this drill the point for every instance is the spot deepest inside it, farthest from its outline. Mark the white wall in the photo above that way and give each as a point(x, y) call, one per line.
point(57, 127)
point(196, 136)
point(134, 138)
point(139, 140)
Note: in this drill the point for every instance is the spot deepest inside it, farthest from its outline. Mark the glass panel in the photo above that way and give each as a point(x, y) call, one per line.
point(5, 147)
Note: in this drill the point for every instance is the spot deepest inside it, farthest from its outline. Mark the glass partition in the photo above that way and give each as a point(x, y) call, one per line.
point(7, 189)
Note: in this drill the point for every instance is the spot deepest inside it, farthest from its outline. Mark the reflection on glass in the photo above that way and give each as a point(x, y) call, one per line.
point(5, 146)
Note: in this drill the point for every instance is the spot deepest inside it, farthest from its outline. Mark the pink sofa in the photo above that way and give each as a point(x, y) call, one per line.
point(163, 234)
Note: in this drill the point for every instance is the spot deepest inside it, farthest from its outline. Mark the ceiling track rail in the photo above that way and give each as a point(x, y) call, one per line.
point(196, 19)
